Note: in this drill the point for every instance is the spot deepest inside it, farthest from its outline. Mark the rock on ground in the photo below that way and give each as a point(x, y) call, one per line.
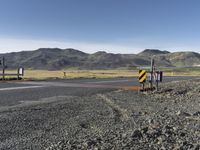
point(163, 120)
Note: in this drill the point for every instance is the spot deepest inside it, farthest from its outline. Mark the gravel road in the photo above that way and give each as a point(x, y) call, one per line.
point(115, 119)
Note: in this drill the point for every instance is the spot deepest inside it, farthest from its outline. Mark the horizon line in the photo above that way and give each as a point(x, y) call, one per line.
point(16, 45)
point(18, 51)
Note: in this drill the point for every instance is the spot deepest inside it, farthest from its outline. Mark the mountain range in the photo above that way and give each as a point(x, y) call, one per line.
point(56, 59)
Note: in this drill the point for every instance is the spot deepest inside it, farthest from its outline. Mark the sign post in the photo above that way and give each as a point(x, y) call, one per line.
point(151, 73)
point(3, 68)
point(154, 78)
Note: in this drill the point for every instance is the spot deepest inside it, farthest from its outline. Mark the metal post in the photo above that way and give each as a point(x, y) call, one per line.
point(152, 70)
point(3, 68)
point(157, 81)
point(142, 86)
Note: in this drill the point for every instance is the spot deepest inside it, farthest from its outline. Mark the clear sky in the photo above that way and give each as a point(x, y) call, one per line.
point(118, 26)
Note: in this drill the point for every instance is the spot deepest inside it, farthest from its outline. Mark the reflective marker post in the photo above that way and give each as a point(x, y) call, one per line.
point(142, 78)
point(20, 72)
point(159, 76)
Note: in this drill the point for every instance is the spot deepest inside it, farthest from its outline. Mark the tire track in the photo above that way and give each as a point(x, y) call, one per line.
point(119, 113)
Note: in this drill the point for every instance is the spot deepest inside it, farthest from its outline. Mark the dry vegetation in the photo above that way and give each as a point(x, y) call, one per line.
point(70, 74)
point(43, 74)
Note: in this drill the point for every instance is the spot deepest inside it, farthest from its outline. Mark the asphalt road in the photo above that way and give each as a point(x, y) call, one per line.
point(14, 93)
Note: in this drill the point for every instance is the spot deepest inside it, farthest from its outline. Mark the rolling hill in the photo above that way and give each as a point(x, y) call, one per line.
point(180, 59)
point(152, 52)
point(56, 59)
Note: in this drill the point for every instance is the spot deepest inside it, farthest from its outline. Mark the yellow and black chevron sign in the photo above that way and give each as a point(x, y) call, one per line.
point(142, 76)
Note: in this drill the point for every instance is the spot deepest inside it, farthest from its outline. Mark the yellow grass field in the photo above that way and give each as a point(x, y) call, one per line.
point(71, 74)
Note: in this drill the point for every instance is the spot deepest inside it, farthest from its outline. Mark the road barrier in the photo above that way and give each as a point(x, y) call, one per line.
point(20, 71)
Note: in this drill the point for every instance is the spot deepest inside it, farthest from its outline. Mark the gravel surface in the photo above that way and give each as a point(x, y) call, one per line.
point(167, 119)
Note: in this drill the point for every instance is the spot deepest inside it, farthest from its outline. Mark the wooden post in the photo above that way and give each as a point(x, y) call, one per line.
point(64, 75)
point(18, 73)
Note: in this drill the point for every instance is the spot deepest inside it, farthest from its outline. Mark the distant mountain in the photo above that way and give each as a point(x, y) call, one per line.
point(152, 52)
point(56, 59)
point(46, 58)
point(179, 59)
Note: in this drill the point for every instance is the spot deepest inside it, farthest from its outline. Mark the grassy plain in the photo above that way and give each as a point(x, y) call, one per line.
point(71, 74)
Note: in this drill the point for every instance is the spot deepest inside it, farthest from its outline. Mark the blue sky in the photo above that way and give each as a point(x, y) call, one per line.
point(118, 26)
